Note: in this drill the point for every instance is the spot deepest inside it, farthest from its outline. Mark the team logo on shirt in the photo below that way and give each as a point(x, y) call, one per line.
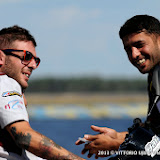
point(14, 104)
point(11, 93)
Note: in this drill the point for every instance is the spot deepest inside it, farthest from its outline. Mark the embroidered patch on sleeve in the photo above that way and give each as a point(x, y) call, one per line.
point(11, 93)
point(14, 104)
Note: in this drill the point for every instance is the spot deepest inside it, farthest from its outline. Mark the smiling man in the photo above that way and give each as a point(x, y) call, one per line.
point(18, 59)
point(141, 40)
point(143, 50)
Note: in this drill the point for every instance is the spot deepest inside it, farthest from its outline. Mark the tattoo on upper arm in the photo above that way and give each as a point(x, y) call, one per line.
point(22, 139)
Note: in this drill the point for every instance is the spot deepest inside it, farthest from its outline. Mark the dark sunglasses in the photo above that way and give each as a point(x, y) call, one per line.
point(26, 59)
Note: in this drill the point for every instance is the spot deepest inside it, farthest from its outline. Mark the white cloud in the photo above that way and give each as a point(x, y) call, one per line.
point(67, 16)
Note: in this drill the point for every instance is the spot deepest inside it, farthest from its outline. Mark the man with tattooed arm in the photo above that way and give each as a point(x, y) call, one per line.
point(18, 141)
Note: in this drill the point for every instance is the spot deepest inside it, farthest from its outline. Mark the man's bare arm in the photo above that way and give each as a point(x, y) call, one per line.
point(38, 144)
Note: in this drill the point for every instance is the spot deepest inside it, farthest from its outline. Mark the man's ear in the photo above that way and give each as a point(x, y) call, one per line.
point(2, 58)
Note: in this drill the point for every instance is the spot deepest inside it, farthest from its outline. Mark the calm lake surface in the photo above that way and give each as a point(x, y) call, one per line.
point(66, 132)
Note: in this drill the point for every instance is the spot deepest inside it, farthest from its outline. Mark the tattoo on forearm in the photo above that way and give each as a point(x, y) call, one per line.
point(22, 140)
point(48, 142)
point(46, 146)
point(70, 156)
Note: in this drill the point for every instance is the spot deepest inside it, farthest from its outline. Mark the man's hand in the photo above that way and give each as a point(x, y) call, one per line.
point(107, 140)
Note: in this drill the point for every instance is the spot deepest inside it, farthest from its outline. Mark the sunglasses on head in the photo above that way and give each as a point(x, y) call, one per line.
point(26, 59)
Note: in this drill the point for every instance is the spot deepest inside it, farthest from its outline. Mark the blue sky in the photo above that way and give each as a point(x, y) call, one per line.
point(77, 37)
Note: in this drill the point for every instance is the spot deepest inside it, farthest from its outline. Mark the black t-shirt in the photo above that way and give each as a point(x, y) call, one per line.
point(154, 99)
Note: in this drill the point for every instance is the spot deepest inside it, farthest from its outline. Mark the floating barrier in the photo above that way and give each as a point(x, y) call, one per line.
point(95, 111)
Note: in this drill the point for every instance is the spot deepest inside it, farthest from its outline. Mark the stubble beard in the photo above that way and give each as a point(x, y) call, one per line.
point(12, 71)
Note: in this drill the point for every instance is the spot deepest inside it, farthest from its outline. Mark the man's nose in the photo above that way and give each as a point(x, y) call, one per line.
point(135, 53)
point(32, 64)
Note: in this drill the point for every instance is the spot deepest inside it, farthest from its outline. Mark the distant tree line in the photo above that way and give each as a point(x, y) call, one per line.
point(87, 84)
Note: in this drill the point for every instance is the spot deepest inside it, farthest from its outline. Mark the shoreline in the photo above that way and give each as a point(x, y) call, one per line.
point(85, 98)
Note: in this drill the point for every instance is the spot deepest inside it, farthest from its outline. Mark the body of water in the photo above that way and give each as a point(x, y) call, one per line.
point(66, 132)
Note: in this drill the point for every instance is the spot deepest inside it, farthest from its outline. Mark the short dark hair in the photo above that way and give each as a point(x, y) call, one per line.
point(139, 23)
point(11, 34)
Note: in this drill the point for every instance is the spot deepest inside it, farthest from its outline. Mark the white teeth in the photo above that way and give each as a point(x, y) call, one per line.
point(141, 61)
point(27, 75)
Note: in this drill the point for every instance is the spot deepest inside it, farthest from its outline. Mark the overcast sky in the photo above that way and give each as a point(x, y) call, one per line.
point(77, 37)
